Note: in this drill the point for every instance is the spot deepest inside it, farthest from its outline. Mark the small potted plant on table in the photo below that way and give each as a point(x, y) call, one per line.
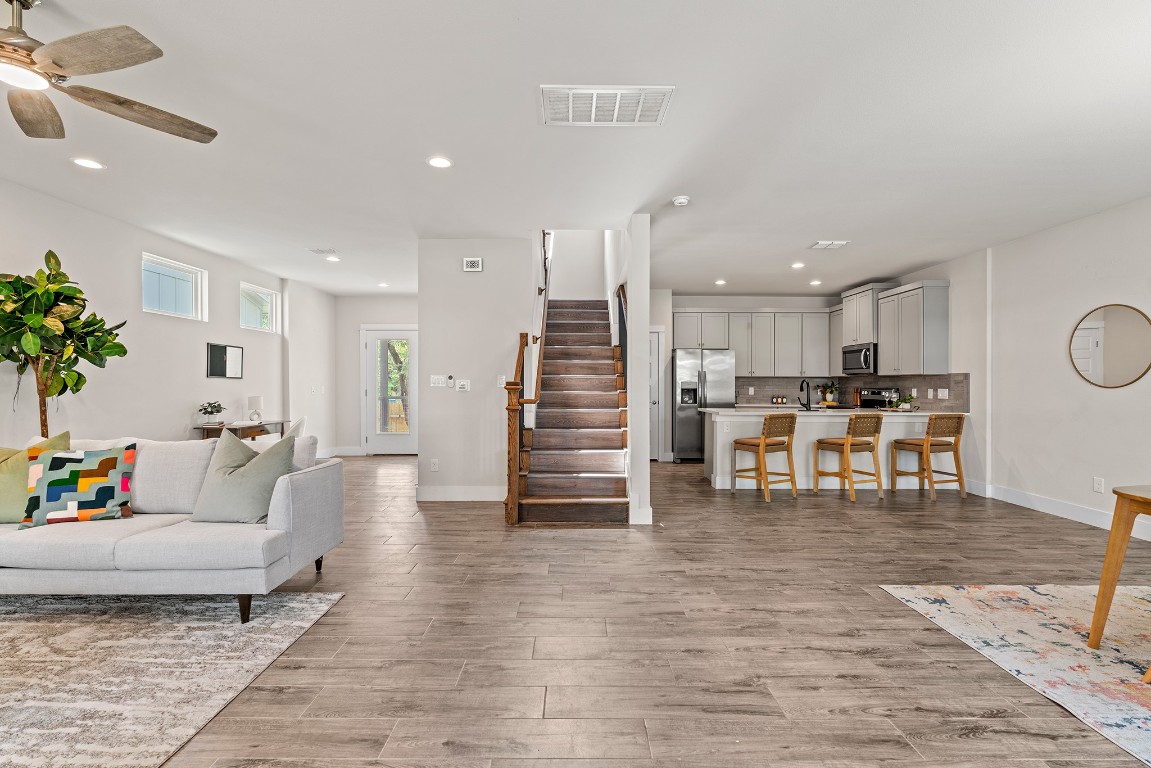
point(212, 409)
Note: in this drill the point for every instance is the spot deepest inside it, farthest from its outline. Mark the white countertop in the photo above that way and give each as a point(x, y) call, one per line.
point(752, 411)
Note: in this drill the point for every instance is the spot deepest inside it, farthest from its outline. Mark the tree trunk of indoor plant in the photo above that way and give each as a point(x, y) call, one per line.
point(41, 394)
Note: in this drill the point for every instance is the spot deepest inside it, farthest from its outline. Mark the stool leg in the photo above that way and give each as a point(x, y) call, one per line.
point(791, 471)
point(734, 454)
point(1121, 525)
point(761, 474)
point(815, 469)
point(959, 472)
point(928, 469)
point(919, 464)
point(875, 461)
point(894, 461)
point(845, 468)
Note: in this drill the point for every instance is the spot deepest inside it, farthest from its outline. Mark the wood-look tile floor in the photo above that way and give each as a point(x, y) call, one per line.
point(730, 633)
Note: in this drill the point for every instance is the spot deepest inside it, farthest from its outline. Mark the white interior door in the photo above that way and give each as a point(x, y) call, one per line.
point(391, 379)
point(655, 394)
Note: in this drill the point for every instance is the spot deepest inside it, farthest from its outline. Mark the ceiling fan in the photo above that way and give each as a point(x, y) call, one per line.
point(32, 67)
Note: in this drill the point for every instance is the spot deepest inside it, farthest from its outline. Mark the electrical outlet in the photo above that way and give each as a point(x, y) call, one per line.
point(439, 381)
point(1097, 485)
point(315, 390)
point(435, 465)
point(943, 393)
point(751, 390)
point(726, 427)
point(464, 385)
point(503, 380)
point(914, 392)
point(931, 394)
point(919, 428)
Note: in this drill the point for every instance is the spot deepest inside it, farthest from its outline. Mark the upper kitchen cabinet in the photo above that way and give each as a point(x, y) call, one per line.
point(801, 340)
point(835, 342)
point(859, 313)
point(699, 330)
point(914, 336)
point(739, 333)
point(753, 341)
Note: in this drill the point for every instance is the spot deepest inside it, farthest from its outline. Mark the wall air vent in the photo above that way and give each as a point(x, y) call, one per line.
point(597, 105)
point(820, 245)
point(323, 251)
point(473, 265)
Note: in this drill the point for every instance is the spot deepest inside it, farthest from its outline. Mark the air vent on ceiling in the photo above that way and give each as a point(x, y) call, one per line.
point(323, 251)
point(819, 245)
point(596, 105)
point(473, 265)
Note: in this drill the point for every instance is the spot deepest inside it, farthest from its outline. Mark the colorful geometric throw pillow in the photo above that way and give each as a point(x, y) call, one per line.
point(75, 486)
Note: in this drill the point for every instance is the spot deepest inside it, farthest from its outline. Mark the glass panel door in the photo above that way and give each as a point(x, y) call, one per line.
point(390, 391)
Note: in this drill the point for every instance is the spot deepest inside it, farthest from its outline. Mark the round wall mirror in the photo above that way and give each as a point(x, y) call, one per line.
point(1111, 346)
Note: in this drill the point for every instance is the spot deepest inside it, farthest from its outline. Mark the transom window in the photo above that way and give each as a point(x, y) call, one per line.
point(259, 308)
point(172, 288)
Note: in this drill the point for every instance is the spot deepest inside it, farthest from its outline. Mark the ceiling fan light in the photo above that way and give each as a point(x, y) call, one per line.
point(20, 77)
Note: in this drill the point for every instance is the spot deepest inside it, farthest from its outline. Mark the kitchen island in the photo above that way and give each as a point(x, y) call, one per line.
point(723, 425)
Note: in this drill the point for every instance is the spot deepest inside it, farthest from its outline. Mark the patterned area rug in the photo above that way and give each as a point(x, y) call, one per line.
point(1039, 634)
point(123, 682)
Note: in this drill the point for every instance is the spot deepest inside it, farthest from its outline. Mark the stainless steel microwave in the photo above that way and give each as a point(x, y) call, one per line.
point(859, 358)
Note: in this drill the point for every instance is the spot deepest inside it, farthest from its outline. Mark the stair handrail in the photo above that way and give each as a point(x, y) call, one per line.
point(621, 321)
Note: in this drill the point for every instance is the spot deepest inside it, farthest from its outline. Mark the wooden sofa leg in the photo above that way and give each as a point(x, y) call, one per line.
point(319, 563)
point(245, 607)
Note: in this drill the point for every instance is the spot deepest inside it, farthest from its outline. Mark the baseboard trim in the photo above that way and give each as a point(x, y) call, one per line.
point(341, 451)
point(461, 492)
point(639, 516)
point(1065, 509)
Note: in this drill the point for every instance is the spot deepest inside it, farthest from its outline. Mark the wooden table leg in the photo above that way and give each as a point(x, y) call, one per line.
point(1121, 525)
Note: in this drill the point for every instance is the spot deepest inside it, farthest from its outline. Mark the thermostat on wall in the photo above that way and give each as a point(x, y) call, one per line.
point(473, 265)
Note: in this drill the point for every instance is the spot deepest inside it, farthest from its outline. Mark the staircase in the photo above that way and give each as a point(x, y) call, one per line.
point(574, 466)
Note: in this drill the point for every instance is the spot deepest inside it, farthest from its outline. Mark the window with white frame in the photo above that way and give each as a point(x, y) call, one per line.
point(172, 288)
point(259, 308)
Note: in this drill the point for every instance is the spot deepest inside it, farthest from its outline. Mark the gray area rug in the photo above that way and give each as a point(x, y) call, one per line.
point(123, 682)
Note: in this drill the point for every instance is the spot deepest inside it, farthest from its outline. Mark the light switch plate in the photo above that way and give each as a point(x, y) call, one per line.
point(502, 380)
point(943, 393)
point(439, 381)
point(914, 392)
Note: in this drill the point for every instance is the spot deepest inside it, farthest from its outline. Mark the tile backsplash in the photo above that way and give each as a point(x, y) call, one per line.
point(958, 386)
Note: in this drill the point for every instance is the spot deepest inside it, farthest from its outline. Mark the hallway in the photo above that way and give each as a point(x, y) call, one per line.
point(730, 633)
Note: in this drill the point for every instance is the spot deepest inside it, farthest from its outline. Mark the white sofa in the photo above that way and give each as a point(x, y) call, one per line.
point(160, 551)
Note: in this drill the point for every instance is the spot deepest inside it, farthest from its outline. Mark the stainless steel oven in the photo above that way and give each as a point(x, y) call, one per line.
point(859, 358)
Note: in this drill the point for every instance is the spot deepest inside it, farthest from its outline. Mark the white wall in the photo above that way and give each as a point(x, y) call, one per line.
point(310, 360)
point(967, 301)
point(155, 390)
point(577, 264)
point(661, 317)
point(1052, 432)
point(469, 328)
point(351, 313)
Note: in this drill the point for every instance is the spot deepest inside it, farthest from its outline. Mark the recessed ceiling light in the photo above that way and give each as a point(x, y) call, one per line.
point(721, 282)
point(798, 265)
point(85, 162)
point(817, 282)
point(383, 285)
point(331, 258)
point(680, 200)
point(19, 77)
point(438, 161)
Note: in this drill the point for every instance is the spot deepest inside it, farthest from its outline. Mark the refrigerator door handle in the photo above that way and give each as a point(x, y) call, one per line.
point(703, 389)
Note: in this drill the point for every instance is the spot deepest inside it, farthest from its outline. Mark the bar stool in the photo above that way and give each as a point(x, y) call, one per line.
point(862, 436)
point(777, 437)
point(944, 431)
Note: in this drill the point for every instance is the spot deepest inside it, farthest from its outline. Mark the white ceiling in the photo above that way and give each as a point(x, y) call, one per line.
point(917, 129)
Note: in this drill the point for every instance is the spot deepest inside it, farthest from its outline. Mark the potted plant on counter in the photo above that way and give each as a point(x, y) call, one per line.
point(211, 409)
point(829, 391)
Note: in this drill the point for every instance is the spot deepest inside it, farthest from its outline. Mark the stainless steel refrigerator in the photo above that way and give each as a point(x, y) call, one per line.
point(704, 378)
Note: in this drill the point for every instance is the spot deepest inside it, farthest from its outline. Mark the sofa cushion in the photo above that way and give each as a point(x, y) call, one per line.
point(169, 475)
point(202, 546)
point(76, 547)
point(240, 481)
point(304, 453)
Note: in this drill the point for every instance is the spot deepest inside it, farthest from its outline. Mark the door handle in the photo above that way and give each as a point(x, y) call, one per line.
point(702, 389)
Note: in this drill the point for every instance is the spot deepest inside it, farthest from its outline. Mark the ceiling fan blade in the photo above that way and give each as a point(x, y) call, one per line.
point(142, 114)
point(35, 114)
point(101, 50)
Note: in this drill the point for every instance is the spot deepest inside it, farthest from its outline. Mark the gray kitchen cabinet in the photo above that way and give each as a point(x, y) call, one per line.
point(739, 331)
point(859, 313)
point(914, 333)
point(788, 344)
point(762, 344)
point(713, 333)
point(816, 338)
point(686, 330)
point(835, 343)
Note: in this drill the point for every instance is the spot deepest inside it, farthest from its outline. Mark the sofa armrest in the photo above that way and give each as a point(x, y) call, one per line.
point(309, 506)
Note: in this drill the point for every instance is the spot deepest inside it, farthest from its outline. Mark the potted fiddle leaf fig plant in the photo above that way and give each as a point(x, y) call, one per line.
point(43, 329)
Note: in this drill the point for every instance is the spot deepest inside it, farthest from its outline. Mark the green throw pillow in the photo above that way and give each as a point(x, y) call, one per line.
point(14, 475)
point(240, 481)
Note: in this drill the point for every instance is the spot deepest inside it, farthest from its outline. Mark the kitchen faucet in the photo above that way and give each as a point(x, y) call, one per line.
point(805, 385)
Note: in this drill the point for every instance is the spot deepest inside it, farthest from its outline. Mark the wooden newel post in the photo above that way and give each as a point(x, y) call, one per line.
point(512, 503)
